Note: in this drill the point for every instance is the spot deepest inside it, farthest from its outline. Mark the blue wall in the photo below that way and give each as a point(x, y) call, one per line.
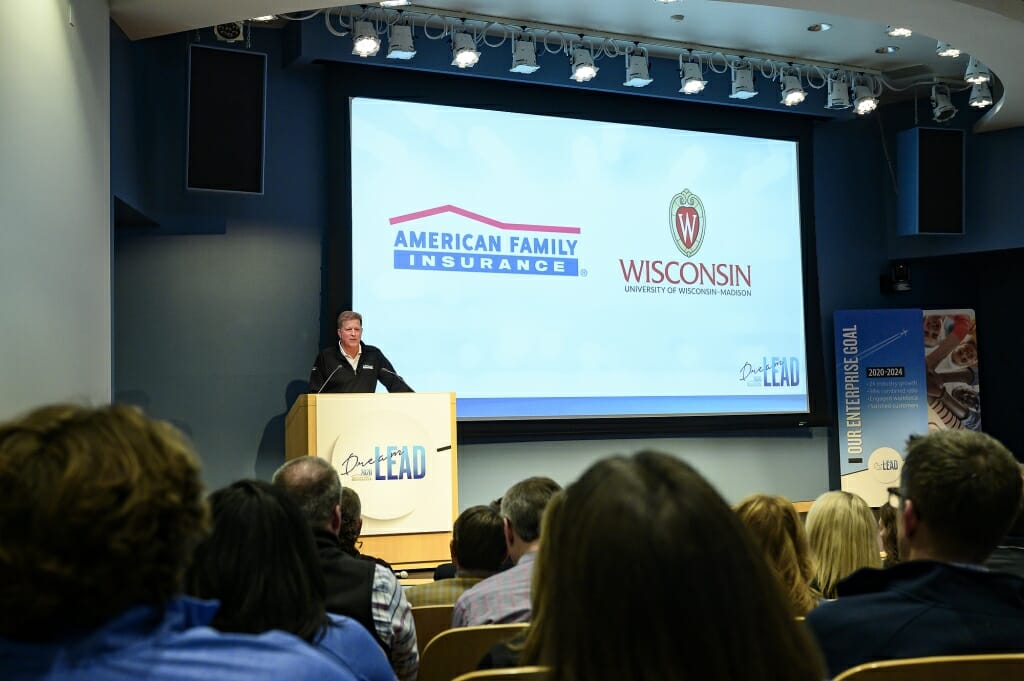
point(218, 309)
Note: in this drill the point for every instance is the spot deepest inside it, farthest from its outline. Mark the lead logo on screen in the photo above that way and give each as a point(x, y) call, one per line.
point(686, 213)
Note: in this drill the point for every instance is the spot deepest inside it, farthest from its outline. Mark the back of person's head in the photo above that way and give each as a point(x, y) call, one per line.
point(778, 529)
point(260, 562)
point(887, 534)
point(965, 487)
point(100, 509)
point(351, 518)
point(314, 484)
point(645, 540)
point(524, 503)
point(478, 540)
point(843, 536)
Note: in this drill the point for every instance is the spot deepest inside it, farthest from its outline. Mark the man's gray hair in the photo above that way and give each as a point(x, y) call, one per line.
point(524, 504)
point(314, 484)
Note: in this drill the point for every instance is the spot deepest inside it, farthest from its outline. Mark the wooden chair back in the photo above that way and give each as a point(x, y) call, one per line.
point(508, 674)
point(1000, 667)
point(430, 621)
point(458, 651)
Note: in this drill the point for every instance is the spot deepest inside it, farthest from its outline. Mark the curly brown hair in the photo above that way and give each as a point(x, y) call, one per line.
point(100, 510)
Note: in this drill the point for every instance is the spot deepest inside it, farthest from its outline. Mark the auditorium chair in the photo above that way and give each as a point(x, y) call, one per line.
point(458, 651)
point(508, 674)
point(998, 667)
point(430, 621)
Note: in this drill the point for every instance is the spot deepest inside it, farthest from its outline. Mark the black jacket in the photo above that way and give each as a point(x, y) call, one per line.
point(349, 583)
point(920, 608)
point(332, 368)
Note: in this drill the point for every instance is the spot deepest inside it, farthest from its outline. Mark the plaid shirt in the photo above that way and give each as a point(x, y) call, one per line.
point(441, 592)
point(392, 619)
point(500, 599)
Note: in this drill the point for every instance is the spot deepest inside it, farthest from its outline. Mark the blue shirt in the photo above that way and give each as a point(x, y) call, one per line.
point(175, 644)
point(348, 642)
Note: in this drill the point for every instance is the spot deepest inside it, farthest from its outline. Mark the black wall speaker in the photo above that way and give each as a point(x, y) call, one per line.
point(930, 164)
point(226, 117)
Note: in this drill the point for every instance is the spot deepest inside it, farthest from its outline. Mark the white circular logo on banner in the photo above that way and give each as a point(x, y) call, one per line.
point(387, 475)
point(885, 463)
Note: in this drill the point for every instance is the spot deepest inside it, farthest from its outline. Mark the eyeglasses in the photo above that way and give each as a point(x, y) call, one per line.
point(895, 496)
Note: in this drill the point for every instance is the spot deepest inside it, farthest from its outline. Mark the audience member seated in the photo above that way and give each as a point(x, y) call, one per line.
point(844, 538)
point(1009, 555)
point(352, 527)
point(99, 512)
point(780, 533)
point(887, 535)
point(505, 597)
point(644, 572)
point(959, 491)
point(260, 563)
point(361, 589)
point(445, 571)
point(478, 550)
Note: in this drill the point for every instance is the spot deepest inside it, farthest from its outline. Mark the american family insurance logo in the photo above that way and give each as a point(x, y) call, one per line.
point(477, 243)
point(688, 227)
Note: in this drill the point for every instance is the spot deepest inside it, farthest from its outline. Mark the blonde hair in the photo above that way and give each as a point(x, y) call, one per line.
point(843, 536)
point(778, 529)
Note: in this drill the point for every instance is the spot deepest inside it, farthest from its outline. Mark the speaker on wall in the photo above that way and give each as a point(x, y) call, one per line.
point(226, 117)
point(930, 165)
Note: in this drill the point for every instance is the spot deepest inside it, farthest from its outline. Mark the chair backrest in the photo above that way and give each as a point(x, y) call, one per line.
point(998, 667)
point(508, 674)
point(458, 651)
point(430, 621)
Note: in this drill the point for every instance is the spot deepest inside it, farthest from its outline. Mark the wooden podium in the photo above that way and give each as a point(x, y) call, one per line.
point(398, 451)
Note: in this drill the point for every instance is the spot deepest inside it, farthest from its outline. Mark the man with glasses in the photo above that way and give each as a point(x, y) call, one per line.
point(959, 492)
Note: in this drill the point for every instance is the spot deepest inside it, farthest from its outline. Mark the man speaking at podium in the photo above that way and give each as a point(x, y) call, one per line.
point(352, 366)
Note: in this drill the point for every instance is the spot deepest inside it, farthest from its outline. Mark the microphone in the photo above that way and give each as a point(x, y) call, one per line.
point(384, 368)
point(328, 379)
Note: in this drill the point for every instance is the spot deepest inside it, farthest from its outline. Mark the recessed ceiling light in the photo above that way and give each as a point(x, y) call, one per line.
point(677, 17)
point(898, 32)
point(888, 49)
point(815, 28)
point(265, 18)
point(665, 2)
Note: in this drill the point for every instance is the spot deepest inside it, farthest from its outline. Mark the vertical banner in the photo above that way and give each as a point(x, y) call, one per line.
point(951, 362)
point(881, 396)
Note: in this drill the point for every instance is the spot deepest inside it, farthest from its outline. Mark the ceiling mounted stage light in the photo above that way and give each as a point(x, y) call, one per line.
point(898, 32)
point(864, 101)
point(838, 93)
point(942, 108)
point(946, 50)
point(365, 42)
point(464, 52)
point(742, 81)
point(583, 68)
point(638, 73)
point(976, 72)
point(524, 56)
point(792, 91)
point(231, 32)
point(981, 96)
point(691, 79)
point(400, 44)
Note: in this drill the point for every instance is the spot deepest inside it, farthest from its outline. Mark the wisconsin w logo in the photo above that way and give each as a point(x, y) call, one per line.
point(686, 213)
